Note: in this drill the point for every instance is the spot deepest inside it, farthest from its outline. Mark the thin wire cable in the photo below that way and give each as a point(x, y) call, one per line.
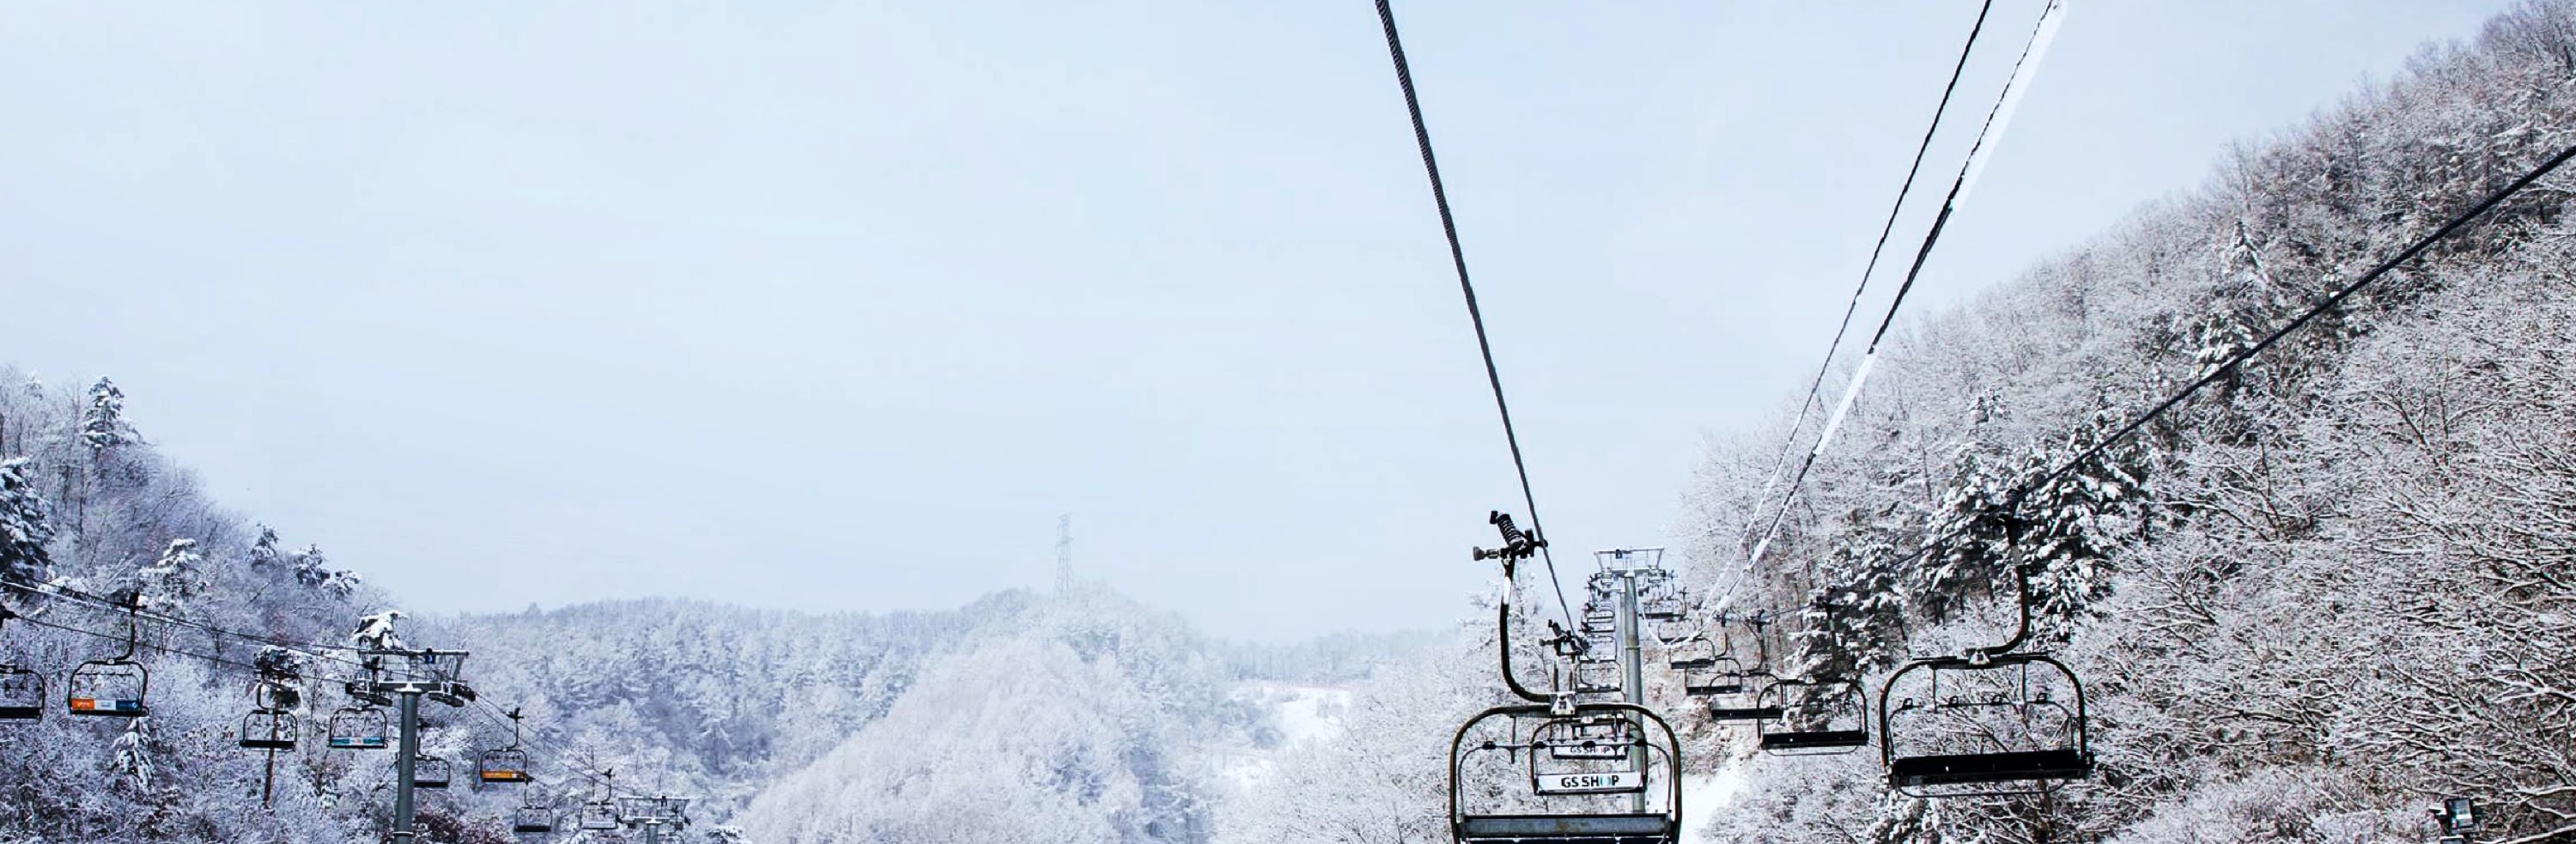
point(564, 759)
point(138, 642)
point(2031, 49)
point(1458, 258)
point(1815, 387)
point(2457, 222)
point(53, 590)
point(2234, 361)
point(552, 750)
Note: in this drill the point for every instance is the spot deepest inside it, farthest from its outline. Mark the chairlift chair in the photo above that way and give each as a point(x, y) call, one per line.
point(1659, 598)
point(532, 820)
point(22, 694)
point(1735, 694)
point(506, 765)
point(269, 729)
point(1568, 799)
point(1722, 676)
point(358, 728)
point(534, 815)
point(428, 771)
point(1815, 716)
point(2000, 728)
point(502, 766)
point(600, 815)
point(22, 691)
point(113, 687)
point(1691, 654)
point(1598, 676)
point(1589, 737)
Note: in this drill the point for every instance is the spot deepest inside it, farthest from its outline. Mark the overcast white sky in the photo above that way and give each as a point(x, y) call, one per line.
point(837, 305)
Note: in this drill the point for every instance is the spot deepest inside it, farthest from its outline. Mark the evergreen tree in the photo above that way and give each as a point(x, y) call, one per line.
point(24, 526)
point(103, 426)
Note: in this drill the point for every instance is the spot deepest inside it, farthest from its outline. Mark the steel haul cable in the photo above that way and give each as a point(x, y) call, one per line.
point(1997, 117)
point(2233, 362)
point(1816, 386)
point(1458, 258)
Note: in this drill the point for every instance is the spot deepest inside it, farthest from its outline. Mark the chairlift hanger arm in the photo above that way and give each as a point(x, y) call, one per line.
point(1516, 546)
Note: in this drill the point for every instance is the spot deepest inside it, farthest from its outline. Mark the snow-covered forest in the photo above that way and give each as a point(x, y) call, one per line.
point(1103, 720)
point(2305, 605)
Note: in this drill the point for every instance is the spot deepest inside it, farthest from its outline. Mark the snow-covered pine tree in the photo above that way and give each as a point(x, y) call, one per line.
point(103, 427)
point(24, 526)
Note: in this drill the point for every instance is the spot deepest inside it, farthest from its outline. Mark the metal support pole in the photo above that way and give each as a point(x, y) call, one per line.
point(1633, 663)
point(652, 832)
point(268, 781)
point(410, 749)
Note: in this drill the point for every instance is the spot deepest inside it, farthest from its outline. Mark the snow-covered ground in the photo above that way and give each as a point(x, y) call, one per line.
point(1301, 714)
point(1704, 796)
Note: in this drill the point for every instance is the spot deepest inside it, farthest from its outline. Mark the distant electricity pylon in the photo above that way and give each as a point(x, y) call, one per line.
point(1064, 554)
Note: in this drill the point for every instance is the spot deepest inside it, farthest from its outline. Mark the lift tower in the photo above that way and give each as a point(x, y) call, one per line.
point(655, 813)
point(408, 676)
point(1630, 565)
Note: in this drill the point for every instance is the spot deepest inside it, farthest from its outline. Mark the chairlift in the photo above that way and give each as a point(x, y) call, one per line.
point(22, 691)
point(1691, 654)
point(1732, 687)
point(1598, 676)
point(1816, 716)
point(1660, 598)
point(1969, 726)
point(502, 766)
point(1722, 676)
point(506, 765)
point(268, 729)
point(532, 820)
point(359, 728)
point(22, 694)
point(1986, 723)
point(601, 814)
point(113, 687)
point(534, 815)
point(1591, 737)
point(428, 771)
point(271, 724)
point(1503, 789)
point(1585, 797)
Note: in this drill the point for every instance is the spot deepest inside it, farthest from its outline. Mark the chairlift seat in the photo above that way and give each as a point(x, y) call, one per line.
point(599, 815)
point(429, 772)
point(506, 766)
point(1815, 739)
point(1693, 663)
point(268, 729)
point(1568, 829)
point(1744, 713)
point(22, 694)
point(358, 728)
point(531, 821)
point(1983, 768)
point(1712, 689)
point(109, 707)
